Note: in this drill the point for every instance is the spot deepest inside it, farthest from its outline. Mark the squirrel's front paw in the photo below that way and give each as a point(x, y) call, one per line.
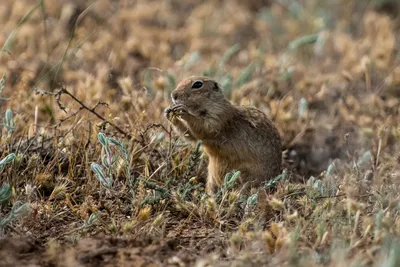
point(168, 112)
point(177, 110)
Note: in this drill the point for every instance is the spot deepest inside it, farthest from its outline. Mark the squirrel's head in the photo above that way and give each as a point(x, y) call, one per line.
point(197, 93)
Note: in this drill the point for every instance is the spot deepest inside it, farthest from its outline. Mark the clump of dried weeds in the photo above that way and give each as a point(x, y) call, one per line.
point(91, 172)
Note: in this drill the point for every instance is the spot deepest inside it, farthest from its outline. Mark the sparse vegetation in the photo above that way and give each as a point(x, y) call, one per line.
point(91, 172)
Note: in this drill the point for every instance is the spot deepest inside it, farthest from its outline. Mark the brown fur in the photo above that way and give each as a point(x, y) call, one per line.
point(234, 138)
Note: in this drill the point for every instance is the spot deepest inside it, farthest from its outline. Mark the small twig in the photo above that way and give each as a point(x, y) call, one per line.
point(343, 195)
point(378, 153)
point(381, 134)
point(148, 128)
point(58, 99)
point(158, 169)
point(301, 192)
point(336, 196)
point(301, 133)
point(83, 106)
point(68, 117)
point(36, 120)
point(89, 135)
point(154, 125)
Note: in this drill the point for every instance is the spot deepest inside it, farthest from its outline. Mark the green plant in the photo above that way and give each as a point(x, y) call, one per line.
point(273, 182)
point(230, 180)
point(7, 160)
point(5, 194)
point(8, 43)
point(17, 211)
point(111, 161)
point(8, 121)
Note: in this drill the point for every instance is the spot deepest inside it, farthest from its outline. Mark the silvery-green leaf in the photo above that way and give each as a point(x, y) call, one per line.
point(8, 159)
point(319, 187)
point(311, 181)
point(303, 108)
point(246, 74)
point(227, 55)
point(319, 44)
point(365, 159)
point(193, 58)
point(121, 146)
point(115, 142)
point(20, 209)
point(92, 219)
point(9, 115)
point(378, 222)
point(252, 200)
point(287, 74)
point(109, 182)
point(105, 161)
point(226, 83)
point(6, 221)
point(104, 181)
point(160, 137)
point(103, 139)
point(276, 180)
point(210, 72)
point(330, 170)
point(9, 121)
point(304, 40)
point(232, 180)
point(227, 178)
point(5, 194)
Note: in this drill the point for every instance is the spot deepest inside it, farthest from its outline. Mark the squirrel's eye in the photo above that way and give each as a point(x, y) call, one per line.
point(197, 84)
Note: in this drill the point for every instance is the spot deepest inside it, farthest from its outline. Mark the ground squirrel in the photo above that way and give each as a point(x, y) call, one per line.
point(234, 137)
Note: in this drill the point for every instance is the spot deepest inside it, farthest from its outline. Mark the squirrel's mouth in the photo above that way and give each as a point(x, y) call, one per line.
point(176, 102)
point(190, 109)
point(181, 103)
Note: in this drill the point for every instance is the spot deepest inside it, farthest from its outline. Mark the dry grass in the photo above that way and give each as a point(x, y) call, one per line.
point(81, 77)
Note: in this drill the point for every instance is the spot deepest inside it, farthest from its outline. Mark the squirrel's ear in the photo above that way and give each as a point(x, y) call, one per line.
point(216, 87)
